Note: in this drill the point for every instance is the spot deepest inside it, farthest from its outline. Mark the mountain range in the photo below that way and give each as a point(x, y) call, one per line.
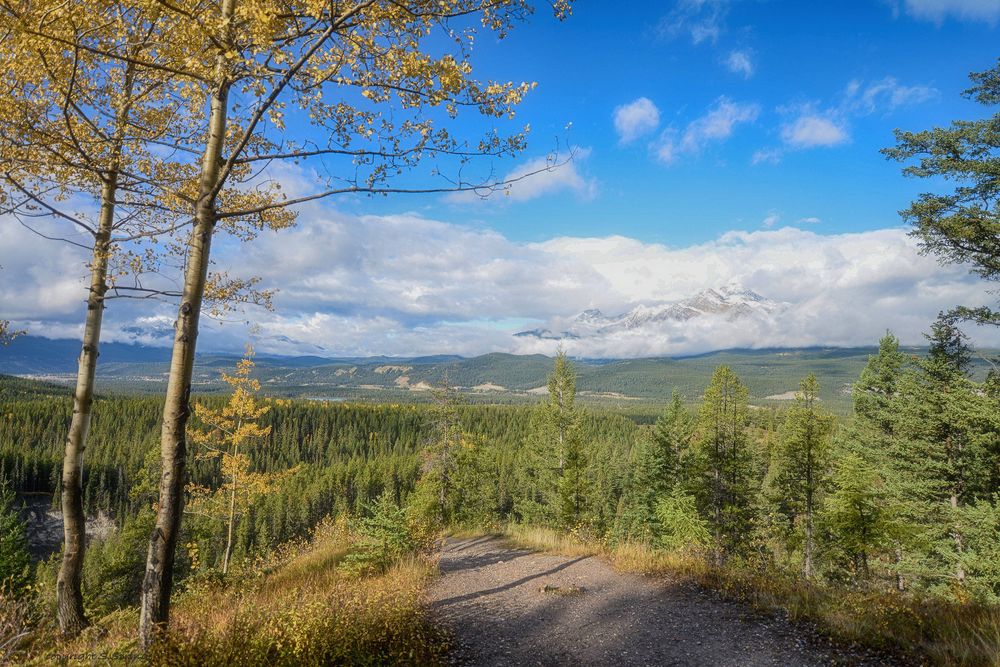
point(771, 375)
point(730, 303)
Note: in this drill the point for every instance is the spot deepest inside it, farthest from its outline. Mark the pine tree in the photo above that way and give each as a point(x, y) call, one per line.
point(936, 453)
point(962, 227)
point(857, 514)
point(671, 438)
point(723, 463)
point(871, 436)
point(553, 457)
point(875, 389)
point(800, 463)
point(656, 469)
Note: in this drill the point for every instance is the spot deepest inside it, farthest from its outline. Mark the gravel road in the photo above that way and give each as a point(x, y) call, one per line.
point(509, 607)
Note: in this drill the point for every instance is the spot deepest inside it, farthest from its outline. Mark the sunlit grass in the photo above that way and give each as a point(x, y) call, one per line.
point(302, 611)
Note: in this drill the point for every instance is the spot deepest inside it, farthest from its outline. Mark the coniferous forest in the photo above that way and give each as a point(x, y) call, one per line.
point(897, 499)
point(161, 147)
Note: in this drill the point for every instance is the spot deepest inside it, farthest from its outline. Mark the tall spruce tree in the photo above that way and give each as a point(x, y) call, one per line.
point(800, 463)
point(934, 460)
point(857, 514)
point(723, 463)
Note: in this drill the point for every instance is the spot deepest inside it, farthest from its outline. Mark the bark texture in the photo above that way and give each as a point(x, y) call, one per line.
point(69, 595)
point(157, 583)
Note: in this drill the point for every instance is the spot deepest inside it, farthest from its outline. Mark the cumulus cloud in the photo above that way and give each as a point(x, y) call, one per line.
point(717, 125)
point(39, 277)
point(987, 11)
point(635, 119)
point(813, 125)
point(740, 62)
point(810, 130)
point(538, 177)
point(405, 284)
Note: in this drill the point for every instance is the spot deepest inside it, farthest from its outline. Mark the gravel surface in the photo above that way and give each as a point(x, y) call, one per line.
point(507, 606)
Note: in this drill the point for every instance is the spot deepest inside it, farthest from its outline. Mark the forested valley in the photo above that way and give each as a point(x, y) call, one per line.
point(895, 503)
point(236, 169)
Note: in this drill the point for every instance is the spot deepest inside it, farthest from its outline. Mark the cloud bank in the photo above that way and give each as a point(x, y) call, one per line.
point(405, 285)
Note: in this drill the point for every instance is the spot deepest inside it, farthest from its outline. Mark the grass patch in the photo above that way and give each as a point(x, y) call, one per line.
point(941, 632)
point(303, 610)
point(536, 538)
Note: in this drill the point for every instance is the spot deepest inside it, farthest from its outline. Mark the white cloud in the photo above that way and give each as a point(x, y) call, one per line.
point(812, 220)
point(538, 177)
point(810, 130)
point(885, 95)
point(635, 119)
point(718, 124)
point(937, 11)
point(701, 20)
point(405, 285)
point(767, 156)
point(740, 62)
point(770, 220)
point(39, 277)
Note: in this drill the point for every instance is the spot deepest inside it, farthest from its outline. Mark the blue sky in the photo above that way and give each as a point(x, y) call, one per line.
point(717, 142)
point(801, 55)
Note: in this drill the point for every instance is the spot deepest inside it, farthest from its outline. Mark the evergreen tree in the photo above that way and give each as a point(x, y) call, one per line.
point(671, 438)
point(962, 227)
point(936, 454)
point(800, 463)
point(723, 463)
point(857, 514)
point(441, 456)
point(15, 562)
point(656, 468)
point(553, 458)
point(572, 483)
point(875, 389)
point(871, 435)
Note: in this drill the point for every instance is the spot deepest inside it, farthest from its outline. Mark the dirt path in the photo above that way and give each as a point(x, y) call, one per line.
point(491, 597)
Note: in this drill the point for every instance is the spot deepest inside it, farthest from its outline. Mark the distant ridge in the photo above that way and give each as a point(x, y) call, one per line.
point(495, 377)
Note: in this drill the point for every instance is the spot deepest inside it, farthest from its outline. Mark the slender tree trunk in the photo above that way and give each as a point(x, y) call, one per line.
point(69, 597)
point(959, 545)
point(158, 581)
point(809, 536)
point(229, 530)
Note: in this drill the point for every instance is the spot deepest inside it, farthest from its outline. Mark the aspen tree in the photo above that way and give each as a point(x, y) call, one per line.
point(368, 77)
point(76, 125)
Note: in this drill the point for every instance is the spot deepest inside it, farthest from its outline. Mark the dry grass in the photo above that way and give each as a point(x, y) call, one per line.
point(551, 541)
point(304, 611)
point(937, 631)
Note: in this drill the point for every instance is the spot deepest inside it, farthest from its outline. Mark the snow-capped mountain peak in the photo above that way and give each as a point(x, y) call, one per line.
point(731, 303)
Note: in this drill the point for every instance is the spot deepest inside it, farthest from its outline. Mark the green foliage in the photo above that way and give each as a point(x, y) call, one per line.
point(679, 525)
point(15, 562)
point(964, 226)
point(113, 567)
point(799, 468)
point(722, 463)
point(858, 517)
point(384, 538)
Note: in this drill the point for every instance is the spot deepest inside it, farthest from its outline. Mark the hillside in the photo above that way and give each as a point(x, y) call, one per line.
point(495, 377)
